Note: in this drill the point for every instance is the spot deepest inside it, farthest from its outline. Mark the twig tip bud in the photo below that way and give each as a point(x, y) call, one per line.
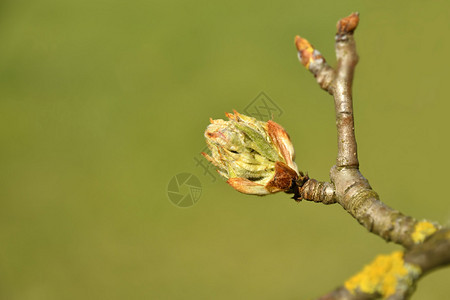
point(348, 24)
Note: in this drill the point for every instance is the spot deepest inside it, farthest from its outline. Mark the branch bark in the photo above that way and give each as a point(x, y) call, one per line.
point(347, 58)
point(427, 245)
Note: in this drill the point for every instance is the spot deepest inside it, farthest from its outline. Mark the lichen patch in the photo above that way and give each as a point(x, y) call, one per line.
point(385, 275)
point(422, 230)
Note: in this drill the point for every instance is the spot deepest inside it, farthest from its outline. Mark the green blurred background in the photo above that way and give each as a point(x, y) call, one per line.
point(103, 102)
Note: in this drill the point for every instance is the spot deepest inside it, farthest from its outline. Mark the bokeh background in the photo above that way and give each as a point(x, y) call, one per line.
point(103, 102)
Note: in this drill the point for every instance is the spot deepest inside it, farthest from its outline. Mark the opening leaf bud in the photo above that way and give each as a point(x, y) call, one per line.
point(255, 157)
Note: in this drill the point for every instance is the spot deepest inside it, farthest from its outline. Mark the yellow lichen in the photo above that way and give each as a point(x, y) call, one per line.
point(422, 230)
point(385, 275)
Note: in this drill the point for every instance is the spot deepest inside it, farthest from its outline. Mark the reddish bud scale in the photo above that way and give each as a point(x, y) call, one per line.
point(348, 24)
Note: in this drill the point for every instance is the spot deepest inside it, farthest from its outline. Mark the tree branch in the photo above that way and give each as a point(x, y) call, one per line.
point(309, 189)
point(347, 58)
point(351, 189)
point(427, 244)
point(433, 253)
point(258, 158)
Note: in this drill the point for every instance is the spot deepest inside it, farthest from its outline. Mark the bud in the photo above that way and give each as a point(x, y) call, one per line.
point(255, 157)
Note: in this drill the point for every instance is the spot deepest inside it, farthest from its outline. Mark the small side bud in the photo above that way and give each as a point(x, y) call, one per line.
point(307, 54)
point(314, 61)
